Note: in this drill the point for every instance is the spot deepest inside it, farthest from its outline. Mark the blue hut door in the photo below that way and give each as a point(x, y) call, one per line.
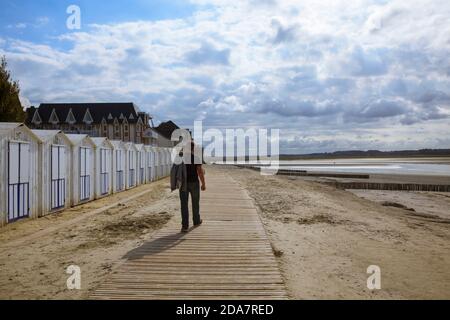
point(18, 180)
point(85, 177)
point(58, 177)
point(120, 167)
point(149, 166)
point(132, 168)
point(154, 173)
point(141, 166)
point(104, 172)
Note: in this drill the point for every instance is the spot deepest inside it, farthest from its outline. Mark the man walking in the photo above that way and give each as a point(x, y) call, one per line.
point(186, 177)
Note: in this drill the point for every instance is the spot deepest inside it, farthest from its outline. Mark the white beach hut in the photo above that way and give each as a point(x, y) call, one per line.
point(131, 165)
point(141, 164)
point(19, 173)
point(150, 155)
point(55, 169)
point(157, 151)
point(83, 169)
point(170, 159)
point(119, 165)
point(103, 167)
point(163, 162)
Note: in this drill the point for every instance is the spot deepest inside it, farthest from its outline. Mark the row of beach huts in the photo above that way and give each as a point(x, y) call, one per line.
point(46, 171)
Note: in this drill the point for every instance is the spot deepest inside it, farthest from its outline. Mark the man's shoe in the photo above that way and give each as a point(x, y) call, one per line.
point(184, 230)
point(198, 224)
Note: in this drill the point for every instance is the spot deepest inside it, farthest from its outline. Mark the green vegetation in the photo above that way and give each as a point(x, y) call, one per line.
point(11, 109)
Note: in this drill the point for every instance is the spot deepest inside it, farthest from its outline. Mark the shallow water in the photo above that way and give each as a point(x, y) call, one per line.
point(381, 166)
point(397, 168)
point(409, 166)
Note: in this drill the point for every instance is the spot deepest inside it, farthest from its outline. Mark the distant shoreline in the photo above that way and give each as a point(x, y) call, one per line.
point(307, 157)
point(425, 153)
point(358, 154)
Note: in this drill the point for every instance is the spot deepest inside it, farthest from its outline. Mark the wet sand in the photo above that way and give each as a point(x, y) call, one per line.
point(427, 204)
point(391, 178)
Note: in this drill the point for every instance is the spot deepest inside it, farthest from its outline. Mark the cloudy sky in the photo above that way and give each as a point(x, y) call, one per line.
point(332, 75)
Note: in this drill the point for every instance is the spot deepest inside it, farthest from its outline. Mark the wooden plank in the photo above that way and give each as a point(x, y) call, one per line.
point(228, 257)
point(175, 280)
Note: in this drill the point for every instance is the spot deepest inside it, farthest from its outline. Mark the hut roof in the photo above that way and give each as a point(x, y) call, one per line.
point(76, 139)
point(46, 135)
point(98, 141)
point(117, 144)
point(140, 147)
point(7, 127)
point(130, 145)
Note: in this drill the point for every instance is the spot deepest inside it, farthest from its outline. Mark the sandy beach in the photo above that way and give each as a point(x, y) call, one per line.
point(324, 239)
point(97, 244)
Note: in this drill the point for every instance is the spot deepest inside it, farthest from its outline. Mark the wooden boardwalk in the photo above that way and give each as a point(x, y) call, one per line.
point(228, 257)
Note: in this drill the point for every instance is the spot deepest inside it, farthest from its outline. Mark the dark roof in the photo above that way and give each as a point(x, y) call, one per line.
point(30, 113)
point(166, 129)
point(98, 111)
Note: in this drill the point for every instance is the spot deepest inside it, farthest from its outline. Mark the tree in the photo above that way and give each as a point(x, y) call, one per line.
point(11, 109)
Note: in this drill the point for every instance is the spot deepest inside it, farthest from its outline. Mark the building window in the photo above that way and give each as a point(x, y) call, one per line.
point(126, 130)
point(116, 130)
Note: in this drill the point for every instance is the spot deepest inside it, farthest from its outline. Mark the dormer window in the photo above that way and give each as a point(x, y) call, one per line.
point(88, 117)
point(53, 118)
point(104, 127)
point(70, 119)
point(116, 128)
point(36, 118)
point(126, 130)
point(139, 125)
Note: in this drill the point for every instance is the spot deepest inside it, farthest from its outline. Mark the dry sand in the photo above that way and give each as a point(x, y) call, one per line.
point(97, 244)
point(326, 238)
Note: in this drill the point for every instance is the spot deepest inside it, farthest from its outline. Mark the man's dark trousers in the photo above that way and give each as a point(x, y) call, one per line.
point(193, 188)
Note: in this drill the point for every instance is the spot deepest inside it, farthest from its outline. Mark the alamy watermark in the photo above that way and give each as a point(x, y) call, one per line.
point(73, 22)
point(374, 280)
point(259, 147)
point(74, 280)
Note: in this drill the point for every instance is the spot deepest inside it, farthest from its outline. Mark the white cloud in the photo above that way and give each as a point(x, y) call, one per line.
point(312, 66)
point(20, 25)
point(24, 102)
point(41, 21)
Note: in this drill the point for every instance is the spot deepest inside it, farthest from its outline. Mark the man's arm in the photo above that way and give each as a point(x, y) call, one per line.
point(201, 176)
